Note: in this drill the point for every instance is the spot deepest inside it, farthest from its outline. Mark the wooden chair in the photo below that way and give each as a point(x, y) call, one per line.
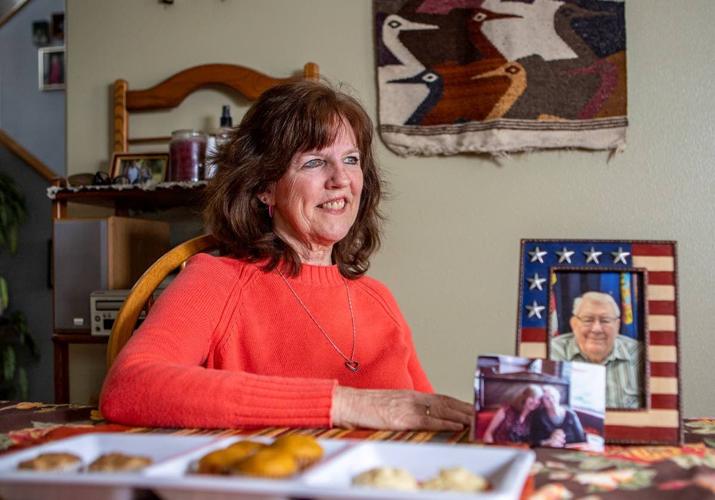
point(172, 91)
point(145, 286)
point(169, 94)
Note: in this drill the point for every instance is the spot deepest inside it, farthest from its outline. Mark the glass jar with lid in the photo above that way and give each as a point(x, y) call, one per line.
point(187, 155)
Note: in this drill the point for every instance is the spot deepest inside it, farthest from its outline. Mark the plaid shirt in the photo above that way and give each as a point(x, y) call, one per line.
point(624, 368)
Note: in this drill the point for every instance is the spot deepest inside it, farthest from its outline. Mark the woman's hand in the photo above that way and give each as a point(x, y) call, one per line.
point(557, 439)
point(398, 410)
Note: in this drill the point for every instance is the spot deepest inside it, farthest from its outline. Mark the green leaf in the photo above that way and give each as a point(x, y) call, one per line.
point(8, 363)
point(4, 295)
point(5, 442)
point(13, 212)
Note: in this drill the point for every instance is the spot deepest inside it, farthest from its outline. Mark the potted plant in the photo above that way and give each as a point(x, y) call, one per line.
point(17, 347)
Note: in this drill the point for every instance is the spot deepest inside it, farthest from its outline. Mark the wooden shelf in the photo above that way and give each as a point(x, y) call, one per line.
point(135, 198)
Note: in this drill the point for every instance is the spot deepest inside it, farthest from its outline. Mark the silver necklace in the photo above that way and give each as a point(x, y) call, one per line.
point(350, 363)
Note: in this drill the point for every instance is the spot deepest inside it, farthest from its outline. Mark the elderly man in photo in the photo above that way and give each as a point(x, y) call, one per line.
point(595, 323)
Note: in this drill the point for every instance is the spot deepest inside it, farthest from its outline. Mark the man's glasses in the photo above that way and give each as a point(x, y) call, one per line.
point(591, 320)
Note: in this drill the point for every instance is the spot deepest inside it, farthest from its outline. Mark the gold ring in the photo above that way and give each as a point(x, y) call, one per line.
point(427, 410)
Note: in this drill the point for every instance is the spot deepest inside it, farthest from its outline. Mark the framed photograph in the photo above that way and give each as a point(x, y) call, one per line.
point(40, 33)
point(51, 68)
point(58, 26)
point(139, 168)
point(539, 402)
point(611, 303)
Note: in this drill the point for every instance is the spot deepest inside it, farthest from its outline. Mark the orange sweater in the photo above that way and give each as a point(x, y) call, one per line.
point(228, 345)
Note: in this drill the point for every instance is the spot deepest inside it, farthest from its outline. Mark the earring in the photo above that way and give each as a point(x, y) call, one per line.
point(270, 211)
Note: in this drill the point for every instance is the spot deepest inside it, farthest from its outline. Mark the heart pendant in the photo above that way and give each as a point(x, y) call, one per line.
point(352, 365)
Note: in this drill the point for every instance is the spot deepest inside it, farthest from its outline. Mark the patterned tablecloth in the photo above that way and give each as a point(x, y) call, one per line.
point(648, 472)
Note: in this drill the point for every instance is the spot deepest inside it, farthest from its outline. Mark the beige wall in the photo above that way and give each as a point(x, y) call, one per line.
point(451, 247)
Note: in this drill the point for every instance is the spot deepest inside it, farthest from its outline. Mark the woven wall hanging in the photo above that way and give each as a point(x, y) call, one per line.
point(499, 76)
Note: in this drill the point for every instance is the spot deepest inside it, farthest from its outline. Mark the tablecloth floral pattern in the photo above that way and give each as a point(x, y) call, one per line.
point(652, 472)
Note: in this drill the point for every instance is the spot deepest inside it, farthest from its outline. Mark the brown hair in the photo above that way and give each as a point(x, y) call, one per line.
point(288, 119)
point(530, 390)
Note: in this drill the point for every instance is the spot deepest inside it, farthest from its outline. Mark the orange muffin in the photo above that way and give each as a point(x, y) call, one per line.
point(269, 463)
point(60, 462)
point(246, 446)
point(220, 461)
point(119, 462)
point(305, 449)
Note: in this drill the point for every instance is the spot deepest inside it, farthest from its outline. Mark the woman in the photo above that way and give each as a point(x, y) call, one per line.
point(284, 329)
point(554, 425)
point(512, 422)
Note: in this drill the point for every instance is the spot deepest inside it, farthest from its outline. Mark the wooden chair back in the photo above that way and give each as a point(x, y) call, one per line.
point(144, 288)
point(172, 91)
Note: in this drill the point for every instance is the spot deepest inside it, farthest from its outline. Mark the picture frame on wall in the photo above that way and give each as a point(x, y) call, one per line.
point(51, 68)
point(139, 168)
point(40, 33)
point(58, 26)
point(611, 302)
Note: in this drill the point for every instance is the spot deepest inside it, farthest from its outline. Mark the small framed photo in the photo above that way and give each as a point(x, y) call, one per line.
point(614, 304)
point(58, 27)
point(539, 402)
point(40, 33)
point(139, 168)
point(51, 68)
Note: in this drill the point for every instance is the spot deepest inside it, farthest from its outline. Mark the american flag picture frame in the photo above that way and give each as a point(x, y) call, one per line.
point(641, 277)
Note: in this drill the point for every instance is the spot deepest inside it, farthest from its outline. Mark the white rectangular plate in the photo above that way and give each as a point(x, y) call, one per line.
point(505, 468)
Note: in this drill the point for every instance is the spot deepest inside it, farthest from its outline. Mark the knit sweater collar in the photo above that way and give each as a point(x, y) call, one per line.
point(318, 275)
point(310, 274)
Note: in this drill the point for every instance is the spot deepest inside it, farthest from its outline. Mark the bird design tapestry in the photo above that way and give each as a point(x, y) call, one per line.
point(500, 76)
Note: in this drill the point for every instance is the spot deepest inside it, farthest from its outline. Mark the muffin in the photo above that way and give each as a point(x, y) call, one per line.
point(119, 462)
point(456, 479)
point(268, 463)
point(246, 447)
point(387, 478)
point(220, 461)
point(305, 449)
point(60, 462)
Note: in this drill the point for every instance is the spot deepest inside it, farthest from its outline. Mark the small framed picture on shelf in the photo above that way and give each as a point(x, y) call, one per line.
point(51, 68)
point(139, 168)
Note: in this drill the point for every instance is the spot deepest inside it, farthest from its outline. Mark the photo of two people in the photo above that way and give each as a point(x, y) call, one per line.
point(540, 402)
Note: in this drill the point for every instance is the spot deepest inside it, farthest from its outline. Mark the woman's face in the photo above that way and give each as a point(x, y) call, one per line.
point(549, 401)
point(316, 200)
point(532, 403)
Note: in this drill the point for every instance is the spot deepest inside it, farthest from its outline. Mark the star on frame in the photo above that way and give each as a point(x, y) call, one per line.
point(592, 255)
point(535, 309)
point(536, 282)
point(565, 255)
point(620, 256)
point(538, 254)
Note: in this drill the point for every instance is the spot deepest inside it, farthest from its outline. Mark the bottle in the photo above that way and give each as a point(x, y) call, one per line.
point(187, 155)
point(226, 120)
point(217, 139)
